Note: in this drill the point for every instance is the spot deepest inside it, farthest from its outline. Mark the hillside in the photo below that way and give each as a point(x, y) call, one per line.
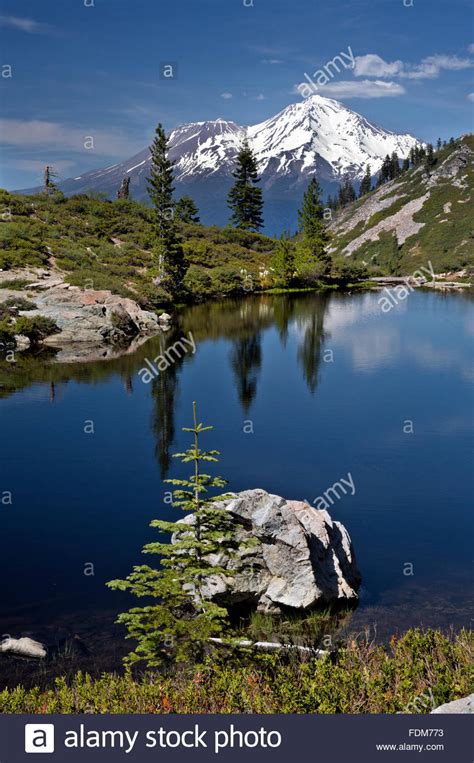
point(420, 216)
point(97, 244)
point(108, 245)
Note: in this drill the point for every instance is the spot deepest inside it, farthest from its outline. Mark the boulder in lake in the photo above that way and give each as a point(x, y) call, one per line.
point(23, 647)
point(301, 557)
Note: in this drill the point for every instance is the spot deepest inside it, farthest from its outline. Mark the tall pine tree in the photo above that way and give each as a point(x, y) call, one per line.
point(346, 193)
point(366, 183)
point(312, 225)
point(430, 159)
point(245, 199)
point(284, 261)
point(168, 249)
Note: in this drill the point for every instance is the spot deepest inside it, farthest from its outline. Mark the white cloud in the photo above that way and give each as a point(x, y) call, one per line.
point(36, 133)
point(24, 25)
point(353, 89)
point(260, 97)
point(226, 96)
point(373, 65)
point(471, 96)
point(272, 61)
point(431, 66)
point(471, 47)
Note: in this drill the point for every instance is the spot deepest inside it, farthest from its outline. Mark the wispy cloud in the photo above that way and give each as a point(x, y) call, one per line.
point(471, 47)
point(38, 134)
point(226, 96)
point(471, 96)
point(260, 97)
point(272, 61)
point(430, 67)
point(353, 89)
point(24, 25)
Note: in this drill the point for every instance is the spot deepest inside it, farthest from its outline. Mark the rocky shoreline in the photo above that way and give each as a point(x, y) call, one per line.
point(92, 324)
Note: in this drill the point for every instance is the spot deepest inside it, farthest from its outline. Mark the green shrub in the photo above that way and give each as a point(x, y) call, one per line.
point(197, 282)
point(226, 280)
point(18, 304)
point(36, 328)
point(348, 269)
point(15, 284)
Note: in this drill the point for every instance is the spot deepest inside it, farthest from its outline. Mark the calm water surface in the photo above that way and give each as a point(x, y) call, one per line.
point(327, 383)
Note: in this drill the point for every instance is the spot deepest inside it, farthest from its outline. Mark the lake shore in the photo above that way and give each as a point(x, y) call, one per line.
point(100, 325)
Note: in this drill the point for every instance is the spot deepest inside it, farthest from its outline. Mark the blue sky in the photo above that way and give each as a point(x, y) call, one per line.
point(82, 68)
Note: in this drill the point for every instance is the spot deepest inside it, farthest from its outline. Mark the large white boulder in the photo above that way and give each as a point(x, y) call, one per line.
point(301, 558)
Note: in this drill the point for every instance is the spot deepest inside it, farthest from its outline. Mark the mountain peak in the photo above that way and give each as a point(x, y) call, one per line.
point(315, 135)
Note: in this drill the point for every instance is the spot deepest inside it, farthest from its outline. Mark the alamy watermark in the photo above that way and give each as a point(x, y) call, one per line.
point(324, 75)
point(393, 296)
point(166, 359)
point(335, 492)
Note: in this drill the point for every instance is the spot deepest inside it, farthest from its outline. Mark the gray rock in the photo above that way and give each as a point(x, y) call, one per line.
point(465, 705)
point(302, 557)
point(23, 647)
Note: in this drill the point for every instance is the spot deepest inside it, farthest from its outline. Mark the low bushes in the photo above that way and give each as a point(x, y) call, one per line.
point(414, 673)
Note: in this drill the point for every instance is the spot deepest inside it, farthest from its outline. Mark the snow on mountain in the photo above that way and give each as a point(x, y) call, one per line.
point(203, 148)
point(322, 127)
point(290, 142)
point(316, 135)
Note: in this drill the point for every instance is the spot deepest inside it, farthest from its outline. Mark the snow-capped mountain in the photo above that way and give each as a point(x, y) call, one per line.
point(318, 135)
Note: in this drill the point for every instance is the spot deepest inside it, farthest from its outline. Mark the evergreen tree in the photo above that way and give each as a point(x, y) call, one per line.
point(385, 170)
point(394, 166)
point(186, 211)
point(310, 216)
point(245, 199)
point(451, 141)
point(406, 164)
point(168, 249)
point(346, 193)
point(312, 224)
point(430, 157)
point(179, 620)
point(366, 184)
point(284, 261)
point(439, 143)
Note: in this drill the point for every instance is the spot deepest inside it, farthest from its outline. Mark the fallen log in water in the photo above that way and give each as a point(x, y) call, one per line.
point(271, 646)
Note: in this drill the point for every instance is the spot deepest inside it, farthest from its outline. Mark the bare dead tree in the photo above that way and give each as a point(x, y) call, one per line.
point(49, 184)
point(124, 192)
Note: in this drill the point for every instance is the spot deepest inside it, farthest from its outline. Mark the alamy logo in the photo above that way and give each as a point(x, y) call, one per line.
point(39, 737)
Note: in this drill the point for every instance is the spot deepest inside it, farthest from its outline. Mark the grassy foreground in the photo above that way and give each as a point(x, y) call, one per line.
point(416, 673)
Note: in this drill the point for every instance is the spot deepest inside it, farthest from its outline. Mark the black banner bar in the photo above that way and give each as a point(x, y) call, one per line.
point(199, 738)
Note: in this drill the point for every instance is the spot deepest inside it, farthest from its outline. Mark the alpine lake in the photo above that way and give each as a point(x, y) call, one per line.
point(304, 391)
